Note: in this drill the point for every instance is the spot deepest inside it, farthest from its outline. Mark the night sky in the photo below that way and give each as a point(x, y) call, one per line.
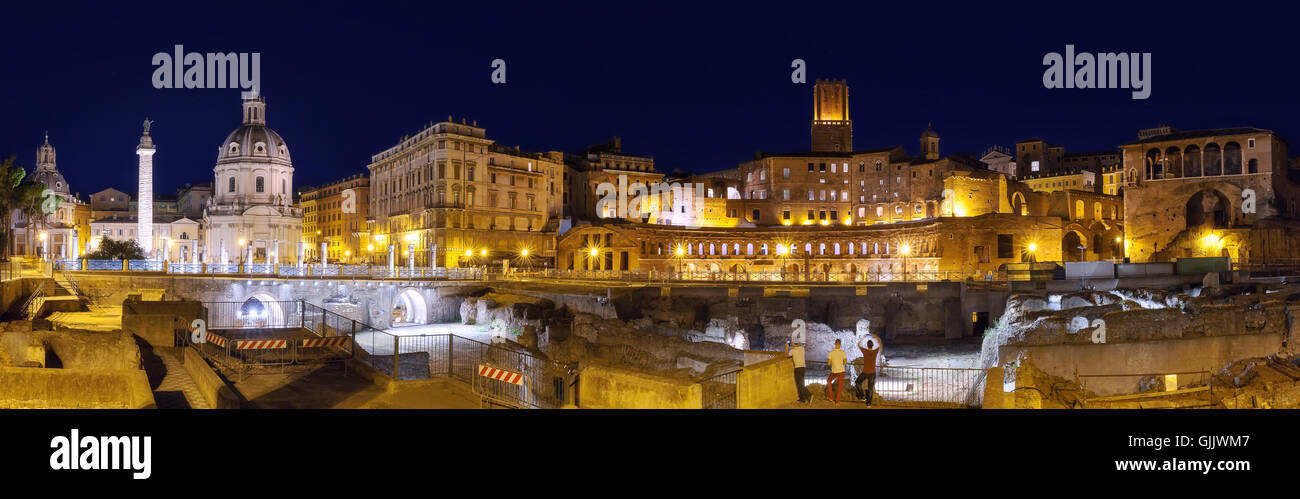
point(698, 86)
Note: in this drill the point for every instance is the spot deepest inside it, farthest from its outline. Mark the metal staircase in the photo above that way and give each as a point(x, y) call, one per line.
point(69, 284)
point(34, 302)
point(63, 285)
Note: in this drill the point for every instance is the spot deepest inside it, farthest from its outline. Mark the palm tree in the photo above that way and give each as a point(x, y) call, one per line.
point(28, 196)
point(10, 176)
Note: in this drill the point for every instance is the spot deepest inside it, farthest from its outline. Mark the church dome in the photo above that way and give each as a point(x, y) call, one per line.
point(52, 179)
point(47, 171)
point(253, 141)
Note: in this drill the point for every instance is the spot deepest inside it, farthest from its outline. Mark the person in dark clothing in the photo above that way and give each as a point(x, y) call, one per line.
point(870, 347)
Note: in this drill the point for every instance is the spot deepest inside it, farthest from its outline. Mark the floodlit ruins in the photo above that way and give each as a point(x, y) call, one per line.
point(479, 275)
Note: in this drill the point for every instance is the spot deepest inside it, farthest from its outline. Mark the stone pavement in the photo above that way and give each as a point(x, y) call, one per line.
point(177, 385)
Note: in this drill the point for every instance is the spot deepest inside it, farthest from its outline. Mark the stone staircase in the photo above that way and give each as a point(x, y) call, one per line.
point(63, 288)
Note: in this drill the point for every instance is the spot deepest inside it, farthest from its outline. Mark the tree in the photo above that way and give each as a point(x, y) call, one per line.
point(116, 250)
point(11, 176)
point(28, 200)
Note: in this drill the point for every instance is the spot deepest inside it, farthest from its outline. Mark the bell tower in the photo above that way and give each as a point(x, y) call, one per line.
point(254, 108)
point(832, 131)
point(930, 143)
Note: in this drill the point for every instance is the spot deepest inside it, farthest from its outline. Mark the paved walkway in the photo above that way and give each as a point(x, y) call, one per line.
point(177, 386)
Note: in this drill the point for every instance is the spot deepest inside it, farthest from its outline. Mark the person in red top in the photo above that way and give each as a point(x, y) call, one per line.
point(870, 347)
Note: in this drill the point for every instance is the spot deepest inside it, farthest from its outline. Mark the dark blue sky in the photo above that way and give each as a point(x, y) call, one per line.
point(699, 86)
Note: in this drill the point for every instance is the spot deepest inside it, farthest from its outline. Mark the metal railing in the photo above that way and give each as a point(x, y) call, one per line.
point(909, 384)
point(547, 384)
point(942, 385)
point(104, 265)
point(145, 265)
point(241, 340)
point(719, 391)
point(255, 314)
point(654, 276)
point(10, 270)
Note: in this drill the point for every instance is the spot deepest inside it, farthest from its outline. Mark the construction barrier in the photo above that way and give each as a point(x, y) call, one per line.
point(500, 374)
point(215, 340)
point(261, 344)
point(336, 341)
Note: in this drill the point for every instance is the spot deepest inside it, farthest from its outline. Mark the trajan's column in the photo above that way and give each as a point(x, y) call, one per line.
point(144, 213)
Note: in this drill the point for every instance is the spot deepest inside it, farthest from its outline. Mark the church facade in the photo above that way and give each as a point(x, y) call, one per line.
point(251, 216)
point(59, 233)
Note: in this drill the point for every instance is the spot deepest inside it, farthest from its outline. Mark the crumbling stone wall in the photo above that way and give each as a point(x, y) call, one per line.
point(1129, 331)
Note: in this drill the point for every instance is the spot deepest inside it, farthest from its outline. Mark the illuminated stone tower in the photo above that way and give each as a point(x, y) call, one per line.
point(144, 203)
point(831, 128)
point(930, 143)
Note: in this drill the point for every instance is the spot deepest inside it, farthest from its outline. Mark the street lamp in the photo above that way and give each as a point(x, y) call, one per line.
point(782, 253)
point(1033, 247)
point(905, 249)
point(679, 255)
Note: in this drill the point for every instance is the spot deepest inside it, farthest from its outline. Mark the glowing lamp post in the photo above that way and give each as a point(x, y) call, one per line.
point(905, 249)
point(680, 253)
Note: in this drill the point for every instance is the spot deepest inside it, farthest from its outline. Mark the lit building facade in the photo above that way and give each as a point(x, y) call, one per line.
point(326, 219)
point(459, 199)
point(1219, 192)
point(833, 213)
point(604, 164)
point(175, 237)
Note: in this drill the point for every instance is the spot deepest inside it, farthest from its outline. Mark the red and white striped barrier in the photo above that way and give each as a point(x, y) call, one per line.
point(500, 375)
point(215, 340)
point(337, 341)
point(261, 344)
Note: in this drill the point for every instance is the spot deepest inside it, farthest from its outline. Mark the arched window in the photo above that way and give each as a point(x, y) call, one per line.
point(261, 184)
point(1192, 161)
point(1153, 165)
point(1232, 159)
point(1174, 162)
point(1212, 160)
point(232, 184)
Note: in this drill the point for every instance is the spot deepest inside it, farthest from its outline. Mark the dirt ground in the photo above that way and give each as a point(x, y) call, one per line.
point(334, 388)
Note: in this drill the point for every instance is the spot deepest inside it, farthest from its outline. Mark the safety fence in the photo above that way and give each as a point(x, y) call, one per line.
point(912, 385)
point(294, 334)
point(719, 391)
point(1189, 389)
point(255, 314)
point(545, 384)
